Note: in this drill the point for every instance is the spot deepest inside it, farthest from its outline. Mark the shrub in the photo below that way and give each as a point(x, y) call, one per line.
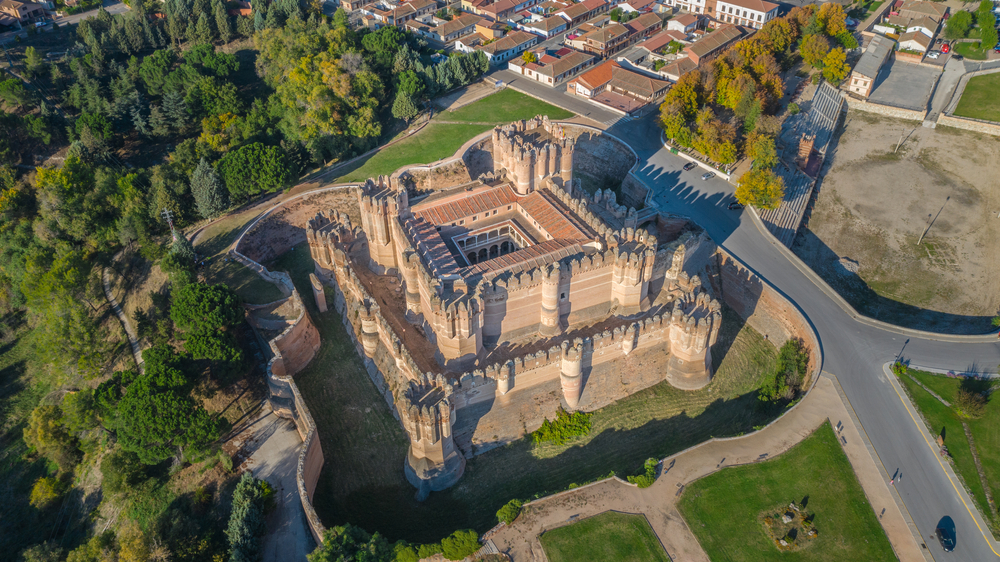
point(460, 544)
point(649, 477)
point(899, 368)
point(509, 512)
point(970, 404)
point(565, 427)
point(789, 372)
point(428, 550)
point(45, 492)
point(793, 108)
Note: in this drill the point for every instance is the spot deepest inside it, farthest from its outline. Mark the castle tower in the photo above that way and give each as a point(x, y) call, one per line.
point(571, 373)
point(630, 280)
point(380, 204)
point(694, 328)
point(433, 463)
point(411, 284)
point(566, 161)
point(369, 329)
point(318, 292)
point(505, 378)
point(549, 321)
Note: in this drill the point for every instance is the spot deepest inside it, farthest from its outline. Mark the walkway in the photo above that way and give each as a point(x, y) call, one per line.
point(270, 446)
point(658, 502)
point(133, 340)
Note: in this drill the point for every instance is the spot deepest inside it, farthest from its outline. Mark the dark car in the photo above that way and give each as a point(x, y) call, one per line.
point(735, 206)
point(689, 166)
point(947, 538)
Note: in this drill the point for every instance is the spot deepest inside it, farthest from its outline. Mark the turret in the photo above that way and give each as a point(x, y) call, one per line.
point(549, 321)
point(571, 373)
point(694, 328)
point(433, 463)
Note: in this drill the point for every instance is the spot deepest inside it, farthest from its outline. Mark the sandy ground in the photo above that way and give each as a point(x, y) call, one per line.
point(658, 502)
point(874, 204)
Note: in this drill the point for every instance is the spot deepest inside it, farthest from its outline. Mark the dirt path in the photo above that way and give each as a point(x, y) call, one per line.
point(133, 341)
point(658, 502)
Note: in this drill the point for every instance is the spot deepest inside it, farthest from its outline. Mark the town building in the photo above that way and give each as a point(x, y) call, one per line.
point(620, 89)
point(578, 13)
point(747, 13)
point(862, 79)
point(547, 27)
point(22, 12)
point(551, 68)
point(685, 23)
point(387, 12)
point(442, 31)
point(713, 44)
point(500, 50)
point(613, 37)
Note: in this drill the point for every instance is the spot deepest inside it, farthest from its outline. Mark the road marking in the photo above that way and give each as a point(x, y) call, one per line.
point(937, 455)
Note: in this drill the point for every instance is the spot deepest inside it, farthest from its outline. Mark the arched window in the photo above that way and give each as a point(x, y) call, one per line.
point(471, 257)
point(483, 256)
point(494, 251)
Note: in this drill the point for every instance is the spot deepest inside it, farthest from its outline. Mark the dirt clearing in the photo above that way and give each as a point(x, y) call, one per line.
point(873, 206)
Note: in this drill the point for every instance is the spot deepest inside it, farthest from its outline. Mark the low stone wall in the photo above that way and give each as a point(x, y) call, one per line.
point(988, 127)
point(887, 110)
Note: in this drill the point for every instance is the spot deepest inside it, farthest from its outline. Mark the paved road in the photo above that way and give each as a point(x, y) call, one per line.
point(854, 351)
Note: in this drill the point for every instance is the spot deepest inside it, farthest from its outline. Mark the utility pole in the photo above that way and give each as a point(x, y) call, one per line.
point(167, 214)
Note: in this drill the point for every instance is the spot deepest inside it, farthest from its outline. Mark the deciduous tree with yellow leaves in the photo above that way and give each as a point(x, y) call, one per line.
point(761, 188)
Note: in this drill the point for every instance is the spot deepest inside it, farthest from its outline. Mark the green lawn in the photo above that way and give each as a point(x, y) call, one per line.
point(212, 244)
point(441, 140)
point(970, 50)
point(725, 509)
point(363, 483)
point(614, 536)
point(503, 107)
point(981, 98)
point(944, 421)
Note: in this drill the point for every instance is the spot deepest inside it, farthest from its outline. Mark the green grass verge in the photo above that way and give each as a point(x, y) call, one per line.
point(609, 536)
point(213, 242)
point(503, 107)
point(970, 50)
point(362, 481)
point(981, 98)
point(441, 140)
point(944, 421)
point(724, 509)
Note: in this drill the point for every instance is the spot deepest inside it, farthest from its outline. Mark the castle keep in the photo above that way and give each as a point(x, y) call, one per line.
point(486, 280)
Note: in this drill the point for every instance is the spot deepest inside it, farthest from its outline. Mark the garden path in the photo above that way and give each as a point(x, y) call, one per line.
point(658, 502)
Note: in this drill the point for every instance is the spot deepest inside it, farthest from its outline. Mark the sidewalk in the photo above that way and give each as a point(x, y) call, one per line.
point(658, 502)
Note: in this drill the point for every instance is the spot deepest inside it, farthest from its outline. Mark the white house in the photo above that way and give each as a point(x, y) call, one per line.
point(748, 13)
point(685, 23)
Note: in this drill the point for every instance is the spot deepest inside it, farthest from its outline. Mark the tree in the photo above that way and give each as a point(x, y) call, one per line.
point(988, 38)
point(156, 422)
point(47, 435)
point(813, 49)
point(403, 107)
point(251, 500)
point(958, 25)
point(350, 543)
point(47, 551)
point(833, 19)
point(460, 544)
point(203, 30)
point(254, 168)
point(222, 22)
point(34, 63)
point(847, 40)
point(197, 306)
point(835, 67)
point(509, 512)
point(760, 149)
point(210, 196)
point(175, 109)
point(121, 470)
point(761, 188)
point(529, 57)
point(45, 492)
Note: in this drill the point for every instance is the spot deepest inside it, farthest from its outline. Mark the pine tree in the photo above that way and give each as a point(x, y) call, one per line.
point(209, 195)
point(245, 26)
point(222, 23)
point(274, 18)
point(174, 109)
point(403, 107)
point(260, 18)
point(158, 122)
point(190, 32)
point(203, 31)
point(139, 122)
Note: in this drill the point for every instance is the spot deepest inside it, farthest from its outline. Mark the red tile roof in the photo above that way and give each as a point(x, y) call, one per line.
point(465, 205)
point(526, 258)
point(555, 220)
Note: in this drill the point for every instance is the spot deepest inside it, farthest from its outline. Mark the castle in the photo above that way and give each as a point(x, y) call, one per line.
point(519, 257)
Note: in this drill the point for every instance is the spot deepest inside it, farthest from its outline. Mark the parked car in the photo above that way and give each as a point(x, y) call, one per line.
point(946, 48)
point(933, 54)
point(735, 206)
point(947, 538)
point(708, 175)
point(689, 166)
point(996, 49)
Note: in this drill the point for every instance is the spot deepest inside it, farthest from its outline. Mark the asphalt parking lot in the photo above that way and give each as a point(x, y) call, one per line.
point(904, 85)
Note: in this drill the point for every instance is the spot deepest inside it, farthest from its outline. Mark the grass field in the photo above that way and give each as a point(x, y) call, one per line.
point(442, 139)
point(621, 537)
point(724, 509)
point(970, 50)
point(945, 422)
point(980, 99)
point(362, 481)
point(503, 107)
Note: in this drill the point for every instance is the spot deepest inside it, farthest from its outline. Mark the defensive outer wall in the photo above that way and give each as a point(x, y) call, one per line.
point(757, 303)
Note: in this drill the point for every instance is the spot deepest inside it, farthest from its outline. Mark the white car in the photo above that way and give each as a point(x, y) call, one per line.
point(933, 54)
point(708, 176)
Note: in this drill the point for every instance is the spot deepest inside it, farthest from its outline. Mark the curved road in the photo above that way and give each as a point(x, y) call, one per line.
point(854, 351)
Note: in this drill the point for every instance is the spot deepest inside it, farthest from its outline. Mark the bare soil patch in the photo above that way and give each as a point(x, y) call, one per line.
point(874, 204)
